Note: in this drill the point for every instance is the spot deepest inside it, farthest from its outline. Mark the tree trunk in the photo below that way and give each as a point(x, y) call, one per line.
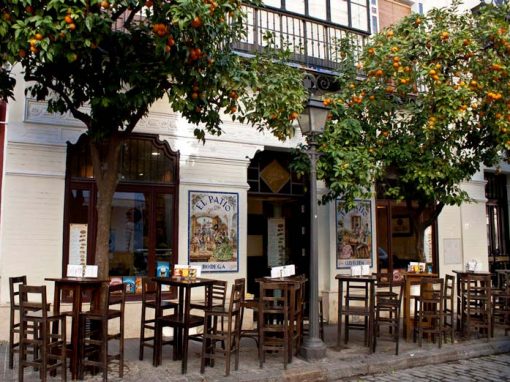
point(106, 162)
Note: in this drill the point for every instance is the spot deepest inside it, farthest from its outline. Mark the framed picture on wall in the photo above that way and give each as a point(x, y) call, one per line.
point(213, 226)
point(401, 226)
point(354, 234)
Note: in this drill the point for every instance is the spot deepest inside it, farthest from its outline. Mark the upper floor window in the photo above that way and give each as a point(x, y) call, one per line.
point(349, 13)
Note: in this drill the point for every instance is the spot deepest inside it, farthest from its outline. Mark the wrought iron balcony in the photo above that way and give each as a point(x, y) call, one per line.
point(312, 42)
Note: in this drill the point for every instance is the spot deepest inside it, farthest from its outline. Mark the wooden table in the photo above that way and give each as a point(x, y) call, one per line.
point(410, 279)
point(77, 285)
point(184, 286)
point(294, 284)
point(461, 278)
point(368, 310)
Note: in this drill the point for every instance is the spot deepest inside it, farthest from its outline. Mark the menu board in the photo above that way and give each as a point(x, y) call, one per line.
point(78, 244)
point(275, 242)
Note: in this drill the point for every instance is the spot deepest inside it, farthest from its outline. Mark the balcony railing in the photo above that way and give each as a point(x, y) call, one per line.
point(312, 43)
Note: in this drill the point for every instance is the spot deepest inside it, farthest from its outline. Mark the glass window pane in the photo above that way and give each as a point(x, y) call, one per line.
point(129, 230)
point(317, 8)
point(79, 203)
point(359, 16)
point(339, 12)
point(164, 230)
point(296, 6)
point(273, 3)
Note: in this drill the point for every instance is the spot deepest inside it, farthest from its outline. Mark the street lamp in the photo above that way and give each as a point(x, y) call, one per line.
point(311, 123)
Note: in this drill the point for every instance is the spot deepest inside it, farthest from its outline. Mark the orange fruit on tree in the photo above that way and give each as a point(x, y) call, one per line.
point(72, 26)
point(68, 19)
point(196, 22)
point(38, 36)
point(105, 4)
point(293, 115)
point(233, 109)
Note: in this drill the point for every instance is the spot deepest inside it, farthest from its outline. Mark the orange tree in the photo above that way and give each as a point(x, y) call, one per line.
point(423, 106)
point(107, 61)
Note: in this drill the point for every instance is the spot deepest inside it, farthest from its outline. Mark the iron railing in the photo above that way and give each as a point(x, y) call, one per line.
point(312, 43)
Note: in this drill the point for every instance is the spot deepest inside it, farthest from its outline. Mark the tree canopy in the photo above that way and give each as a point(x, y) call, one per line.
point(422, 107)
point(108, 61)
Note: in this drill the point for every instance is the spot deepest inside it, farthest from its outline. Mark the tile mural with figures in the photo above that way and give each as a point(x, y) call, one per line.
point(354, 234)
point(213, 230)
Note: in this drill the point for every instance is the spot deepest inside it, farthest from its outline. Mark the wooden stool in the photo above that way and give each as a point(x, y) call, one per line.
point(387, 313)
point(36, 332)
point(273, 320)
point(448, 324)
point(149, 290)
point(94, 342)
point(429, 310)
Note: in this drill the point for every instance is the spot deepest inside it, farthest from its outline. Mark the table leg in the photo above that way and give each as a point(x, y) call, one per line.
point(340, 302)
point(77, 300)
point(407, 309)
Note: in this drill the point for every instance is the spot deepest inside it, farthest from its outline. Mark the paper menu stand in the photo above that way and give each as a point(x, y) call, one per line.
point(365, 270)
point(283, 271)
point(91, 271)
point(74, 270)
point(356, 270)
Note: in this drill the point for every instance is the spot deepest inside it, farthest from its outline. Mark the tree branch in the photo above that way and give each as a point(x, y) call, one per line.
point(74, 111)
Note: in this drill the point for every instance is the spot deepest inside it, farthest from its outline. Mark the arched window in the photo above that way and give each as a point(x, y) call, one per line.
point(143, 230)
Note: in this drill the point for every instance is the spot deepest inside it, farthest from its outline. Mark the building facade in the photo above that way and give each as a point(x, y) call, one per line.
point(232, 206)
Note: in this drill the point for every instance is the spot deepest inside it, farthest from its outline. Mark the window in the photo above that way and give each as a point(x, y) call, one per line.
point(349, 13)
point(143, 229)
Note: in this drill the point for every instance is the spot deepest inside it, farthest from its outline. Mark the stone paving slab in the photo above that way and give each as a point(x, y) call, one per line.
point(350, 361)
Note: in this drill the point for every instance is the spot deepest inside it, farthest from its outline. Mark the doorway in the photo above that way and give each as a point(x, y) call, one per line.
point(278, 217)
point(396, 240)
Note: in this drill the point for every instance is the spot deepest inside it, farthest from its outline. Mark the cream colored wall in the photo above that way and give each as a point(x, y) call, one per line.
point(34, 180)
point(467, 224)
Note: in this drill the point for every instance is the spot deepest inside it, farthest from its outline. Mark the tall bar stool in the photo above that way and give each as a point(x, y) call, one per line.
point(14, 319)
point(95, 336)
point(48, 345)
point(14, 285)
point(477, 304)
point(449, 316)
point(229, 334)
point(359, 302)
point(149, 291)
point(429, 310)
point(501, 309)
point(273, 320)
point(388, 307)
point(218, 298)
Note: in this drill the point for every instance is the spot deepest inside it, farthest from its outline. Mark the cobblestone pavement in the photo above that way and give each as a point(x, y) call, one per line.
point(490, 368)
point(469, 360)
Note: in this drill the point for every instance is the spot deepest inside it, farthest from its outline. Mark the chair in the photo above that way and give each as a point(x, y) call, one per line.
point(501, 309)
point(218, 298)
point(448, 324)
point(230, 335)
point(357, 302)
point(388, 309)
point(273, 320)
point(14, 284)
point(95, 335)
point(149, 291)
point(48, 345)
point(476, 291)
point(296, 311)
point(429, 310)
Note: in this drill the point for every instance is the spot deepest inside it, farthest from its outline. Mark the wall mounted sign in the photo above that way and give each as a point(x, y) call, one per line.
point(213, 226)
point(354, 235)
point(78, 244)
